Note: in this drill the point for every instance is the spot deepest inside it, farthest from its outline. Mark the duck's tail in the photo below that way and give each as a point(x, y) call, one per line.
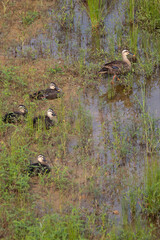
point(33, 96)
point(103, 70)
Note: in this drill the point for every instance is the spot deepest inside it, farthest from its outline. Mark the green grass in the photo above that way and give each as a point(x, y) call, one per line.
point(53, 226)
point(151, 192)
point(147, 13)
point(136, 231)
point(29, 17)
point(95, 9)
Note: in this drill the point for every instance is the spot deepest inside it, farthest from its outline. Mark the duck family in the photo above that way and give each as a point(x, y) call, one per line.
point(47, 121)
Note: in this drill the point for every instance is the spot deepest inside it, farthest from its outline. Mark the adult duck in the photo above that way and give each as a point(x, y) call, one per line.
point(50, 93)
point(41, 167)
point(17, 116)
point(118, 67)
point(46, 121)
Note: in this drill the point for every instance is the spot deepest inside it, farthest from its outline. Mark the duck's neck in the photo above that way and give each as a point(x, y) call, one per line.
point(125, 59)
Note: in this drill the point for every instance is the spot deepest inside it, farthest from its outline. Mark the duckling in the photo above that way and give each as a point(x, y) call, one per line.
point(118, 67)
point(49, 93)
point(40, 167)
point(14, 117)
point(48, 120)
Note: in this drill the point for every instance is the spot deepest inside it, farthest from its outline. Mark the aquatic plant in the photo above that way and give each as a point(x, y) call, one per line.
point(147, 15)
point(151, 192)
point(131, 231)
point(95, 9)
point(150, 131)
point(65, 16)
point(83, 127)
point(121, 145)
point(134, 38)
point(131, 11)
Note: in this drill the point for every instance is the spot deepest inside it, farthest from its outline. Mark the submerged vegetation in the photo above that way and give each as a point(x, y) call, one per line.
point(103, 150)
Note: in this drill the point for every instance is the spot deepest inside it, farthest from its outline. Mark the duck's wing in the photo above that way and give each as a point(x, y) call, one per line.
point(33, 169)
point(45, 169)
point(51, 93)
point(11, 117)
point(48, 123)
point(38, 95)
point(36, 121)
point(113, 67)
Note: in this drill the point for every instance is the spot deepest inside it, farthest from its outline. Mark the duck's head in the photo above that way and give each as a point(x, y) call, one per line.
point(41, 159)
point(51, 114)
point(22, 109)
point(54, 86)
point(126, 53)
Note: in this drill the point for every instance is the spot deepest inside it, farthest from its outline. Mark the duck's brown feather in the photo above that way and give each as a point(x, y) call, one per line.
point(115, 68)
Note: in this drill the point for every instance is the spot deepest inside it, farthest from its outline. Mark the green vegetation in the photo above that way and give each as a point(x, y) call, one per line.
point(151, 194)
point(147, 13)
point(104, 149)
point(139, 231)
point(95, 9)
point(29, 17)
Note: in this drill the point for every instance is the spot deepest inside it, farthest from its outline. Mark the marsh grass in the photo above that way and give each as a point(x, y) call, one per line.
point(151, 192)
point(58, 227)
point(12, 164)
point(11, 78)
point(83, 126)
point(130, 231)
point(150, 130)
point(147, 15)
point(95, 9)
point(134, 38)
point(29, 17)
point(131, 11)
point(61, 177)
point(120, 144)
point(65, 16)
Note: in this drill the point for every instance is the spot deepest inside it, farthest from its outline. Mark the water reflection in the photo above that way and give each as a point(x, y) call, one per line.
point(70, 31)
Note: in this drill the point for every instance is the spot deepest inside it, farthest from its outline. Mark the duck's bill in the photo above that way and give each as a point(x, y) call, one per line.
point(58, 89)
point(132, 54)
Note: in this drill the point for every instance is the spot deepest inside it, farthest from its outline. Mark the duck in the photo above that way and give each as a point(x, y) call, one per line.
point(118, 67)
point(50, 93)
point(48, 120)
point(14, 117)
point(41, 167)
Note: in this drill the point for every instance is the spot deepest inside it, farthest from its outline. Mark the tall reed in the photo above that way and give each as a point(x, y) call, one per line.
point(95, 9)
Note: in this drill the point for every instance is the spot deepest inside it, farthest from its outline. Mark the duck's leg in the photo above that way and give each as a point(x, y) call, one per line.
point(112, 82)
